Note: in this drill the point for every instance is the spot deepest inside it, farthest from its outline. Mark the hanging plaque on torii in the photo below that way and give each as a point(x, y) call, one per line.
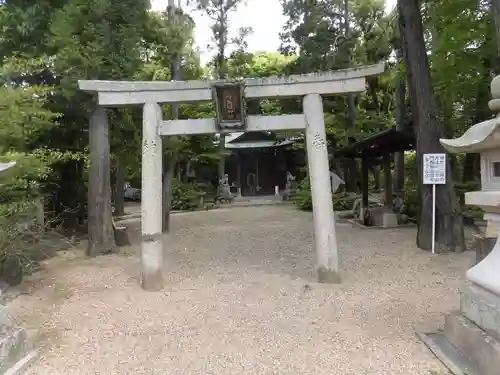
point(230, 108)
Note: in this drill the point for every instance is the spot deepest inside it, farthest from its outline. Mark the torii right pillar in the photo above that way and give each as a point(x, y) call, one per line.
point(321, 191)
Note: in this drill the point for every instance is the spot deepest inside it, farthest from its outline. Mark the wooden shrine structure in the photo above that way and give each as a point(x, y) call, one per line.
point(377, 149)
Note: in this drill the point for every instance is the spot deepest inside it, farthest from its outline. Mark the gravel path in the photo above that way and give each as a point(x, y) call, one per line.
point(241, 299)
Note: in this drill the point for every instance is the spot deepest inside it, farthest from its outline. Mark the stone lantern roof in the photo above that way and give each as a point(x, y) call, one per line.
point(480, 137)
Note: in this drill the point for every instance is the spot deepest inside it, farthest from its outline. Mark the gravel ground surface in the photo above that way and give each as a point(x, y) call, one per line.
point(241, 299)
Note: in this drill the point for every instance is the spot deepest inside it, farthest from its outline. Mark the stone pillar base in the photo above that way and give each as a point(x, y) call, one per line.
point(389, 220)
point(328, 276)
point(16, 352)
point(152, 282)
point(470, 341)
point(481, 307)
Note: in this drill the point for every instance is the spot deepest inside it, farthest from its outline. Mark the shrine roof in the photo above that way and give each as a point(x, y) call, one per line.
point(245, 140)
point(379, 144)
point(258, 144)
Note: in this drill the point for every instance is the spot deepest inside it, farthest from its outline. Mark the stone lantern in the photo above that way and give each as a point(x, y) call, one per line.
point(474, 331)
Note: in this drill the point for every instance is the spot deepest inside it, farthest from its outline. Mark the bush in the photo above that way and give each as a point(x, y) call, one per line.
point(184, 196)
point(411, 200)
point(303, 199)
point(24, 242)
point(15, 258)
point(343, 201)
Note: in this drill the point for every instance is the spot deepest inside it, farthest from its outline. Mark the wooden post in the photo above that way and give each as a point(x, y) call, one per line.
point(40, 212)
point(238, 173)
point(256, 172)
point(120, 188)
point(364, 189)
point(151, 202)
point(100, 220)
point(347, 177)
point(321, 191)
point(387, 181)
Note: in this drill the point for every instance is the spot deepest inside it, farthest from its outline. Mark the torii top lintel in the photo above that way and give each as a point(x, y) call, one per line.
point(116, 93)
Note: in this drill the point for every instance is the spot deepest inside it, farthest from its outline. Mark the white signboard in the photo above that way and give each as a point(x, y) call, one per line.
point(434, 169)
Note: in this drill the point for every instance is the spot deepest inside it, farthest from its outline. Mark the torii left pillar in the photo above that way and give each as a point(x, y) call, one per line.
point(151, 213)
point(100, 222)
point(100, 225)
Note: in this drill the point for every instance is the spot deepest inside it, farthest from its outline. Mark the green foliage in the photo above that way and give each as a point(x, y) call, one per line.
point(303, 199)
point(343, 201)
point(22, 182)
point(184, 196)
point(24, 117)
point(315, 35)
point(48, 45)
point(98, 39)
point(219, 11)
point(25, 242)
point(411, 194)
point(411, 199)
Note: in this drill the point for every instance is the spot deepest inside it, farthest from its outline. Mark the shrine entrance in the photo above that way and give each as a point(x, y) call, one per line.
point(257, 163)
point(229, 98)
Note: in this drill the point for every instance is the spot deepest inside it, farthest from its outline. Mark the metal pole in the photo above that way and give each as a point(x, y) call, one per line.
point(433, 218)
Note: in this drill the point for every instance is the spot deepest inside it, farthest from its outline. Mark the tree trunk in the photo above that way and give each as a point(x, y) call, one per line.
point(351, 97)
point(471, 167)
point(222, 44)
point(101, 233)
point(69, 197)
point(221, 167)
point(428, 130)
point(168, 175)
point(353, 176)
point(375, 169)
point(496, 16)
point(119, 189)
point(346, 175)
point(399, 157)
point(168, 162)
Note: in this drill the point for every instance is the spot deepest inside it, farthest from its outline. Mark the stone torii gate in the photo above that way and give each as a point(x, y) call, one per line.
point(229, 97)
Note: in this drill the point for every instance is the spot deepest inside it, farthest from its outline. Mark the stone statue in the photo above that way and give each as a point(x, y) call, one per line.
point(225, 190)
point(290, 186)
point(224, 180)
